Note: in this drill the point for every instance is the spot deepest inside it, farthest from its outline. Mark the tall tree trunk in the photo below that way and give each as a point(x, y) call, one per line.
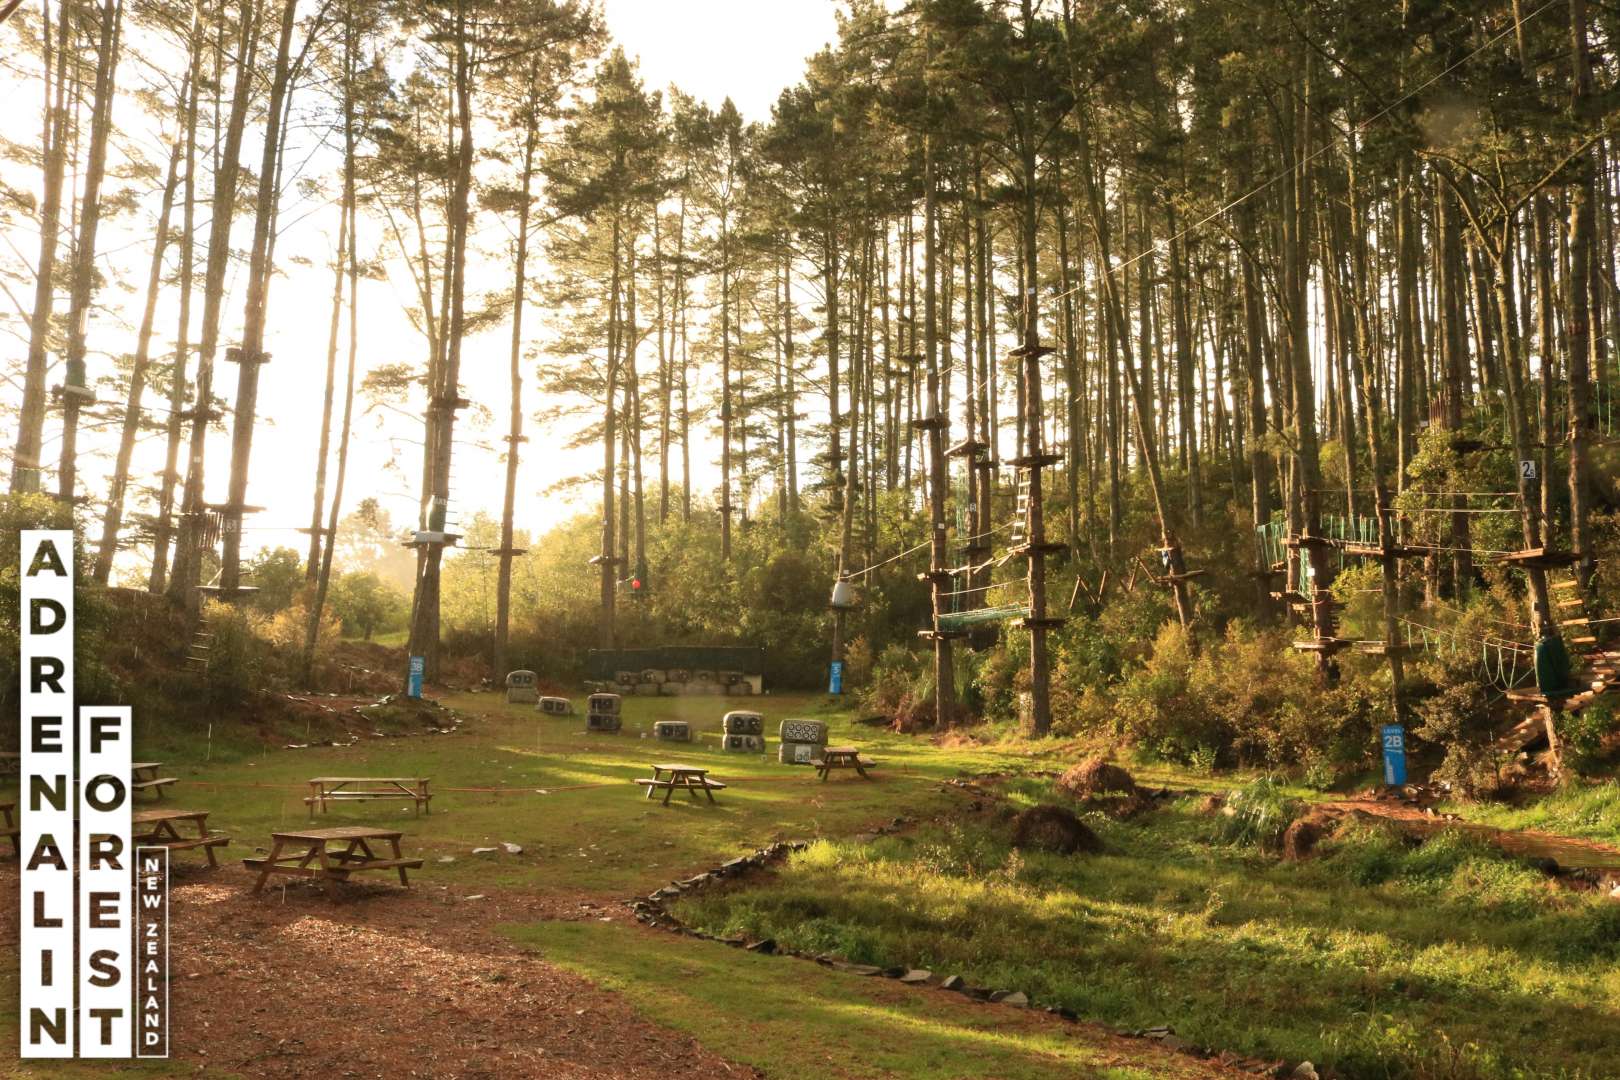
point(1578, 301)
point(163, 528)
point(446, 391)
point(25, 462)
point(312, 562)
point(76, 390)
point(188, 550)
point(114, 516)
point(323, 580)
point(252, 356)
point(514, 433)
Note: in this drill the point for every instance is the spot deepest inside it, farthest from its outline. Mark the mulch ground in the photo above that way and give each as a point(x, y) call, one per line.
point(381, 982)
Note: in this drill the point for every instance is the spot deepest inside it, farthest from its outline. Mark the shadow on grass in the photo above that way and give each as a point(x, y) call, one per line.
point(796, 1021)
point(1260, 958)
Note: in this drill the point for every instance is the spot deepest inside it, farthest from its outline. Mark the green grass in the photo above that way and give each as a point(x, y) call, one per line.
point(1383, 959)
point(565, 796)
point(1590, 810)
point(797, 1021)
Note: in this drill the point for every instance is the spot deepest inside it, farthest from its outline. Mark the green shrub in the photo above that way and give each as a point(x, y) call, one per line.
point(1257, 814)
point(1457, 718)
point(1583, 735)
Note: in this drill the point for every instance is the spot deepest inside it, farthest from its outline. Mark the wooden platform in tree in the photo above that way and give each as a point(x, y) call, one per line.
point(1397, 551)
point(967, 448)
point(1050, 547)
point(1540, 558)
point(1035, 461)
point(1325, 645)
point(1051, 622)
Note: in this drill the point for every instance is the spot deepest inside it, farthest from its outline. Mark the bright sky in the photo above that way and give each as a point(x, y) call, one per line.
point(748, 49)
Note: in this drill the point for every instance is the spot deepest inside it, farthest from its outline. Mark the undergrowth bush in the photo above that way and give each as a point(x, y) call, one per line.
point(1457, 718)
point(1584, 735)
point(1257, 814)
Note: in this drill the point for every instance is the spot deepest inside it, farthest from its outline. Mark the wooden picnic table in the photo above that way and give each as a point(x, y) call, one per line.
point(841, 757)
point(143, 776)
point(161, 828)
point(691, 778)
point(327, 789)
point(307, 854)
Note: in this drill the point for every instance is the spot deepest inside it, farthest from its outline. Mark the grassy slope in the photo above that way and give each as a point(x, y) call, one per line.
point(797, 1021)
point(1447, 960)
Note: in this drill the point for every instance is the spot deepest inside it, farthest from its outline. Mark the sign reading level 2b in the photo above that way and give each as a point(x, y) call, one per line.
point(1394, 737)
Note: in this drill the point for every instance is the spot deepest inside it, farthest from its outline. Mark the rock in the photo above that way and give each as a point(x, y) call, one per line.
point(893, 972)
point(952, 982)
point(511, 849)
point(1017, 998)
point(484, 850)
point(1054, 829)
point(766, 947)
point(1305, 1071)
point(1158, 1032)
point(916, 975)
point(858, 969)
point(475, 896)
point(445, 859)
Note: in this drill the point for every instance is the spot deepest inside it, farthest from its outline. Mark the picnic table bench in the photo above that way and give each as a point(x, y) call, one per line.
point(14, 834)
point(842, 757)
point(307, 855)
point(143, 776)
point(691, 778)
point(327, 789)
point(161, 829)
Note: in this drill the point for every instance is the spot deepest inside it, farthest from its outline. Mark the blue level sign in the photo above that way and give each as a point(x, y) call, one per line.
point(835, 678)
point(413, 686)
point(1394, 738)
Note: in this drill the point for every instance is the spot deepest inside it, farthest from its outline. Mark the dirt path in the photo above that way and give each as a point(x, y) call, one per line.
point(1570, 853)
point(387, 983)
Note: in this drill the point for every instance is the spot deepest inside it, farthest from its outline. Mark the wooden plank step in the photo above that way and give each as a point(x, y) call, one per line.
point(1569, 584)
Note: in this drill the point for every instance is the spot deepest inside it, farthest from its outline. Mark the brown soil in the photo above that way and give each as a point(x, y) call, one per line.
point(384, 982)
point(1096, 777)
point(1053, 828)
point(1301, 837)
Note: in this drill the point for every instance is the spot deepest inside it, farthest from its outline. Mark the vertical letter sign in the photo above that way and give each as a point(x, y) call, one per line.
point(414, 686)
point(1394, 736)
point(835, 678)
point(45, 950)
